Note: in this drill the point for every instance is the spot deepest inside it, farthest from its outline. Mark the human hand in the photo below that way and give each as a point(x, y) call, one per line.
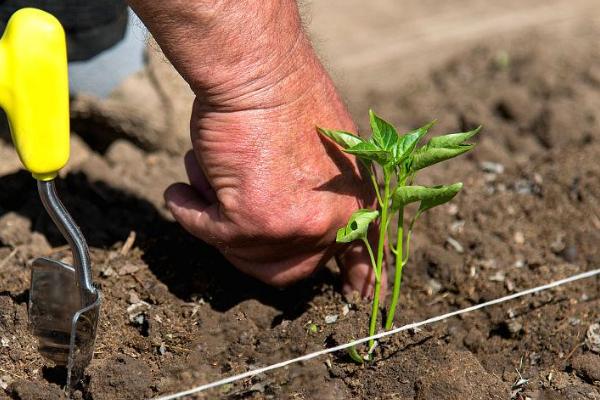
point(265, 188)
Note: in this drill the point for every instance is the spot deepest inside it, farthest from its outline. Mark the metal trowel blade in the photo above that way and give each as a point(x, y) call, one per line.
point(65, 331)
point(83, 337)
point(53, 301)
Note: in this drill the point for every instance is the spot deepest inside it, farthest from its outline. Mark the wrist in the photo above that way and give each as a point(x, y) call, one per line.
point(228, 46)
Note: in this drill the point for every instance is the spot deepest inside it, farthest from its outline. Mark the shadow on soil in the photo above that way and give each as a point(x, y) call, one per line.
point(189, 268)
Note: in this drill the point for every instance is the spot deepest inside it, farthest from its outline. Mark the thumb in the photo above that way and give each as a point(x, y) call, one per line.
point(357, 272)
point(195, 215)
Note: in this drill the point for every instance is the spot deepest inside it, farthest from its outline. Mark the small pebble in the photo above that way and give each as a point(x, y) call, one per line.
point(133, 297)
point(452, 209)
point(519, 238)
point(433, 287)
point(592, 338)
point(162, 349)
point(490, 178)
point(5, 380)
point(455, 245)
point(492, 167)
point(558, 245)
point(489, 263)
point(510, 286)
point(4, 342)
point(523, 186)
point(520, 382)
point(108, 272)
point(498, 277)
point(514, 327)
point(136, 312)
point(331, 319)
point(457, 226)
point(345, 309)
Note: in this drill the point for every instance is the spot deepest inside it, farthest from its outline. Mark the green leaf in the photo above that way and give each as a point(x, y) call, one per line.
point(357, 227)
point(428, 196)
point(353, 353)
point(439, 195)
point(404, 195)
point(384, 134)
point(344, 139)
point(426, 155)
point(453, 139)
point(370, 152)
point(442, 148)
point(407, 143)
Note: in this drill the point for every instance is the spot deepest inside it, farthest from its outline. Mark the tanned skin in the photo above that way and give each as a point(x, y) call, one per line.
point(264, 187)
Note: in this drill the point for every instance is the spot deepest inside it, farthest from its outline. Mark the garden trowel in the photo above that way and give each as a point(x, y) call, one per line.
point(63, 303)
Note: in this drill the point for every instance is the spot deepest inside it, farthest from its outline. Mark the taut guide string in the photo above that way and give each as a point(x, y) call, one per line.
point(380, 335)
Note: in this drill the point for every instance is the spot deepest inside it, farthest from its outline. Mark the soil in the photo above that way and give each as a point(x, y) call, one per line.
point(176, 314)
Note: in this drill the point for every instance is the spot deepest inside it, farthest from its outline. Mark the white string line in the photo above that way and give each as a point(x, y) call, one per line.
point(380, 335)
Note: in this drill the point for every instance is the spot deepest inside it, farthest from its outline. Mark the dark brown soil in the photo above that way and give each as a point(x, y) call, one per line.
point(175, 314)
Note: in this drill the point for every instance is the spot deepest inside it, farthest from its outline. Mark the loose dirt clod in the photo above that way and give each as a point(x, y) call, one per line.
point(592, 338)
point(14, 229)
point(587, 366)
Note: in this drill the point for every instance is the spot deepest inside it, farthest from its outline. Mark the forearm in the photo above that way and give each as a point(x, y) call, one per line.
point(229, 46)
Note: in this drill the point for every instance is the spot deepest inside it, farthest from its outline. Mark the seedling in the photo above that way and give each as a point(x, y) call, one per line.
point(311, 327)
point(400, 159)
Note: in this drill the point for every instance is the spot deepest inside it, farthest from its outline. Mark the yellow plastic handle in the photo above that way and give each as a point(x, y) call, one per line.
point(34, 90)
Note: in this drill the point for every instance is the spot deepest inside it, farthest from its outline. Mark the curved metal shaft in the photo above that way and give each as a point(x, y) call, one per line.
point(70, 231)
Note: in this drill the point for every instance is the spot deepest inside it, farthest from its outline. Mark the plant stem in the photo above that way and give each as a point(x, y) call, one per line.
point(408, 236)
point(399, 267)
point(380, 252)
point(375, 186)
point(373, 262)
